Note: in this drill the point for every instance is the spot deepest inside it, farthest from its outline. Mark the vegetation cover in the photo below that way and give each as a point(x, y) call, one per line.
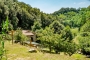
point(66, 30)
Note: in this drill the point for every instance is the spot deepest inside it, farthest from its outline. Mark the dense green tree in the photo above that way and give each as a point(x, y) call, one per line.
point(57, 27)
point(20, 37)
point(70, 48)
point(36, 26)
point(67, 34)
point(84, 42)
point(46, 37)
point(45, 20)
point(65, 10)
point(86, 27)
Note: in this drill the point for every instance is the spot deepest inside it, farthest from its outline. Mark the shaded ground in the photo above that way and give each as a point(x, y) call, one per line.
point(19, 52)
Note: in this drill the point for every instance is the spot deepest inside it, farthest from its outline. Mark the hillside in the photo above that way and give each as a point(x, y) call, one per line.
point(23, 15)
point(59, 32)
point(22, 53)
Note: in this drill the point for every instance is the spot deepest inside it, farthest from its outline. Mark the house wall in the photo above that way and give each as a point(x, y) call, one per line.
point(33, 38)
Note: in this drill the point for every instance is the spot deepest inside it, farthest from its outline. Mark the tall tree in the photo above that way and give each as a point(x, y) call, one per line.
point(36, 26)
point(57, 27)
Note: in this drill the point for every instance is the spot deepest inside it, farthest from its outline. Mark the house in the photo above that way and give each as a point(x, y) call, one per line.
point(30, 34)
point(32, 42)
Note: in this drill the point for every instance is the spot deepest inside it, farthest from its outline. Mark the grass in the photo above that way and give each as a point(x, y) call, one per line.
point(78, 56)
point(19, 52)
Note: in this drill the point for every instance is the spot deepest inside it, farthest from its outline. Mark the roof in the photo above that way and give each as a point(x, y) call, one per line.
point(27, 32)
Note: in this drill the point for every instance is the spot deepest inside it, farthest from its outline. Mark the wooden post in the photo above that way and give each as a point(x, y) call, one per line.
point(12, 35)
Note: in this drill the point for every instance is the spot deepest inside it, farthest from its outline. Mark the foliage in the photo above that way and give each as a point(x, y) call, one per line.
point(19, 37)
point(64, 46)
point(5, 26)
point(74, 32)
point(21, 51)
point(55, 42)
point(85, 27)
point(65, 10)
point(67, 34)
point(56, 30)
point(46, 37)
point(2, 37)
point(36, 26)
point(70, 48)
point(84, 41)
point(57, 27)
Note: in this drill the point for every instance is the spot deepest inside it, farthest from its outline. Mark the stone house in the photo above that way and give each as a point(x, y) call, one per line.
point(30, 34)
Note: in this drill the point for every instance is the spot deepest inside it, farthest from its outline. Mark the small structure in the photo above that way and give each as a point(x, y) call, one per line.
point(29, 34)
point(31, 42)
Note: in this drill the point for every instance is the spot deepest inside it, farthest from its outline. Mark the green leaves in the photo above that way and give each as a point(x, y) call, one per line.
point(84, 42)
point(2, 36)
point(5, 26)
point(57, 27)
point(19, 36)
point(86, 27)
point(1, 51)
point(67, 34)
point(36, 26)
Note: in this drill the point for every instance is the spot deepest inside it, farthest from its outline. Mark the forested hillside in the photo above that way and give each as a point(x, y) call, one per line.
point(23, 15)
point(57, 30)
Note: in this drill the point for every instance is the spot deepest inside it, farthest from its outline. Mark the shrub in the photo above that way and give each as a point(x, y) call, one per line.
point(19, 37)
point(70, 48)
point(67, 47)
point(84, 44)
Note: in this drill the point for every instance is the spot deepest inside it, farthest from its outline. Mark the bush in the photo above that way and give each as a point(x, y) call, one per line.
point(8, 37)
point(84, 44)
point(19, 37)
point(67, 47)
point(86, 51)
point(70, 48)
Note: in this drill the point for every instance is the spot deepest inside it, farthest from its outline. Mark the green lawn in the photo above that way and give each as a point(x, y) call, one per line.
point(19, 52)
